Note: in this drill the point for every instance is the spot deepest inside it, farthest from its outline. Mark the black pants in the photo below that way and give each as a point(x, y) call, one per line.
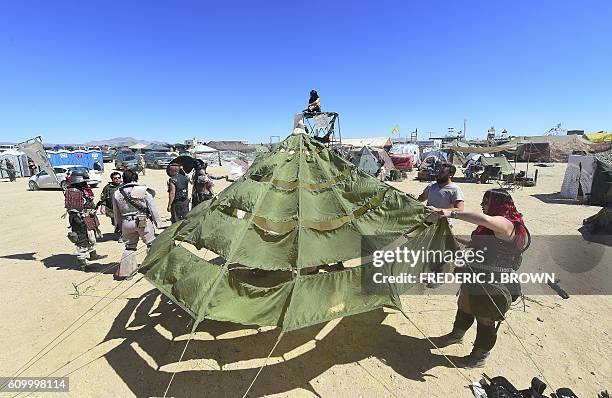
point(178, 210)
point(78, 226)
point(199, 197)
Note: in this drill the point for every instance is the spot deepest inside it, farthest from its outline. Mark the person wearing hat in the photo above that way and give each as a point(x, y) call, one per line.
point(81, 217)
point(178, 196)
point(202, 184)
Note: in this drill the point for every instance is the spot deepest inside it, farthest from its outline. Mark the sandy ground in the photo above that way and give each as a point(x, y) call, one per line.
point(132, 343)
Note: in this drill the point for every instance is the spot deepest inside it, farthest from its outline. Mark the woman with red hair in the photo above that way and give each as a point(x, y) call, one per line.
point(501, 237)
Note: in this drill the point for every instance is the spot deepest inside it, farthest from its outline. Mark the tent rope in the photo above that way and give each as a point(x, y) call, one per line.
point(72, 332)
point(193, 329)
point(102, 271)
point(32, 360)
point(436, 347)
point(515, 335)
point(280, 336)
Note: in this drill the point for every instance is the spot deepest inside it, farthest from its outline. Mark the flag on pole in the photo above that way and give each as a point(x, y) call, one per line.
point(395, 130)
point(35, 151)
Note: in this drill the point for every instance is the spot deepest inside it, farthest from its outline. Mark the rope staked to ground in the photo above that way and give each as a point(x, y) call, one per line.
point(437, 348)
point(72, 332)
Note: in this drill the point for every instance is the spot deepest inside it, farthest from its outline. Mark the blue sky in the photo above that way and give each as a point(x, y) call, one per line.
point(161, 70)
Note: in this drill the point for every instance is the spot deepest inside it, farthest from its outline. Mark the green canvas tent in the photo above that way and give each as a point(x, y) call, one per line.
point(601, 190)
point(501, 161)
point(297, 207)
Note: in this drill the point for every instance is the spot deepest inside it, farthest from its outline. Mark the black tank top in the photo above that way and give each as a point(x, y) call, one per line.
point(181, 183)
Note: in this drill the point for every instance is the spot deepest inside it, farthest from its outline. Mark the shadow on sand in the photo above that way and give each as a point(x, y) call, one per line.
point(69, 261)
point(20, 256)
point(556, 198)
point(353, 339)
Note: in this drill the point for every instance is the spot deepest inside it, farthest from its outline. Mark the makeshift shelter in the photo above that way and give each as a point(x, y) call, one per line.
point(578, 178)
point(601, 190)
point(498, 161)
point(18, 159)
point(406, 149)
point(378, 142)
point(297, 207)
point(555, 148)
point(599, 137)
point(437, 154)
point(366, 161)
point(402, 162)
point(84, 158)
point(384, 158)
point(201, 148)
point(598, 227)
point(236, 146)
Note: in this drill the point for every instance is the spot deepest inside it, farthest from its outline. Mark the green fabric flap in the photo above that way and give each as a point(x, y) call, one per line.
point(320, 298)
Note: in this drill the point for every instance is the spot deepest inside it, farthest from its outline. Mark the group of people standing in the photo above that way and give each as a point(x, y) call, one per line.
point(131, 209)
point(178, 189)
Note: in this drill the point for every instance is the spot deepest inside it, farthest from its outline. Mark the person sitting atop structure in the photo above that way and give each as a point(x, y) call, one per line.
point(314, 103)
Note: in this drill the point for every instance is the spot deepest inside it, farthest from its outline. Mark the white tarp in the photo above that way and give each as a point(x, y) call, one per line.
point(201, 148)
point(405, 149)
point(35, 151)
point(579, 172)
point(19, 161)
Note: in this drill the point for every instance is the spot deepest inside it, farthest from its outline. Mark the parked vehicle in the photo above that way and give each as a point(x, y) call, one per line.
point(42, 180)
point(157, 160)
point(126, 157)
point(107, 156)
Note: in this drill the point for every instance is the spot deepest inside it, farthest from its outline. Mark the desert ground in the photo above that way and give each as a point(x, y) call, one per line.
point(127, 339)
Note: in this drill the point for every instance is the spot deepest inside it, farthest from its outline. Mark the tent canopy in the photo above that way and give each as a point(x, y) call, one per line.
point(379, 142)
point(443, 156)
point(137, 147)
point(366, 161)
point(296, 207)
point(237, 146)
point(599, 137)
point(201, 148)
point(501, 161)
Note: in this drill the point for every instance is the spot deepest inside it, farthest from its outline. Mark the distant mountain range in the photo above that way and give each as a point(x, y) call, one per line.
point(120, 141)
point(109, 142)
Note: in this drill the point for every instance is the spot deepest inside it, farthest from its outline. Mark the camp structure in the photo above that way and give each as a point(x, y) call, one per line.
point(578, 178)
point(235, 146)
point(598, 227)
point(588, 177)
point(601, 136)
point(431, 157)
point(18, 159)
point(84, 158)
point(384, 158)
point(558, 148)
point(601, 190)
point(405, 156)
point(497, 161)
point(378, 142)
point(297, 208)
